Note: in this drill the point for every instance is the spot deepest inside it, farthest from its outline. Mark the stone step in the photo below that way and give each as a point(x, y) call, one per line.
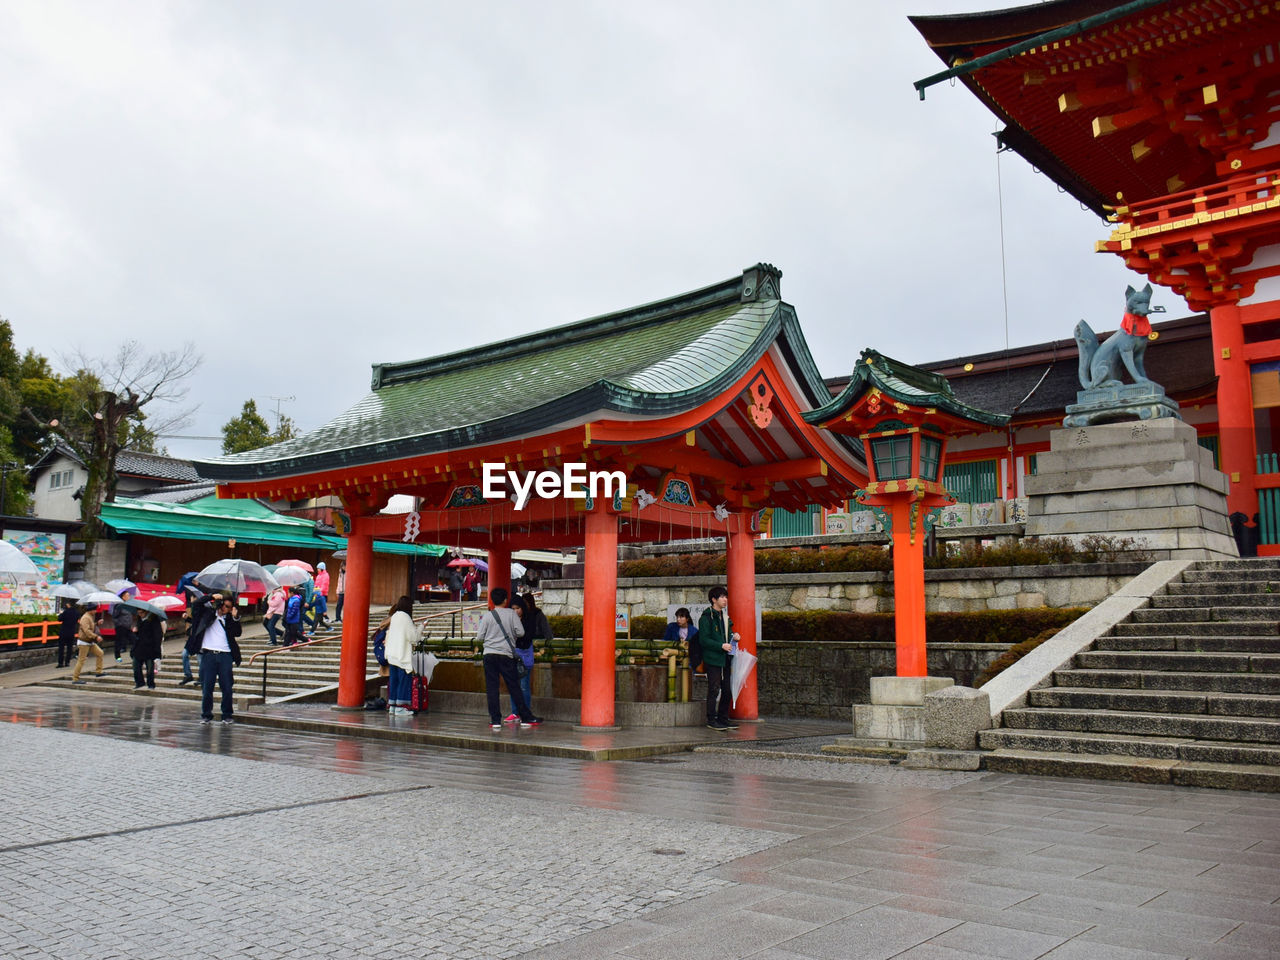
point(1172, 660)
point(1199, 601)
point(1153, 701)
point(1191, 644)
point(857, 748)
point(1264, 683)
point(1223, 628)
point(1269, 612)
point(1072, 741)
point(1136, 769)
point(1252, 574)
point(1217, 588)
point(1243, 563)
point(1197, 727)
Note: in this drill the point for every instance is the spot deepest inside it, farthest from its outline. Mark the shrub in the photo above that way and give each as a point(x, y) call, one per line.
point(1013, 655)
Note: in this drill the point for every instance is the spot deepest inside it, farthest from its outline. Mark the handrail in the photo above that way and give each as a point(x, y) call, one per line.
point(20, 637)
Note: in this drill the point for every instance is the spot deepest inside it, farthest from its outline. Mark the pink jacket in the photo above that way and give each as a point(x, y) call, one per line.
point(322, 582)
point(275, 602)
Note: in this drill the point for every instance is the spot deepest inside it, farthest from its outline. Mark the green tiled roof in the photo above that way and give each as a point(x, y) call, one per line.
point(905, 383)
point(247, 521)
point(655, 360)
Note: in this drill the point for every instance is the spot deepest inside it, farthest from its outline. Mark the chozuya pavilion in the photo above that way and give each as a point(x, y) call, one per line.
point(707, 403)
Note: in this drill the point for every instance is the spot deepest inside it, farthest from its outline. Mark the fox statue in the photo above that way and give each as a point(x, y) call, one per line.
point(1100, 363)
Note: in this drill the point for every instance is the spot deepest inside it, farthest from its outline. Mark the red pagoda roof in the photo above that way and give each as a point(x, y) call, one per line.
point(1121, 102)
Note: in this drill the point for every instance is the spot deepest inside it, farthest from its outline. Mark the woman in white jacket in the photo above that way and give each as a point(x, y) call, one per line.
point(399, 651)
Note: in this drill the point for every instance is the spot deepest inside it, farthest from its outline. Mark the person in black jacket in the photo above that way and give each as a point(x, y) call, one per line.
point(67, 621)
point(215, 624)
point(147, 649)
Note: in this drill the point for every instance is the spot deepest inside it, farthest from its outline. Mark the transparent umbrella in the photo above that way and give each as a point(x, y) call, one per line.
point(85, 587)
point(143, 605)
point(14, 561)
point(743, 664)
point(119, 586)
point(290, 576)
point(167, 601)
point(65, 591)
point(99, 596)
point(236, 576)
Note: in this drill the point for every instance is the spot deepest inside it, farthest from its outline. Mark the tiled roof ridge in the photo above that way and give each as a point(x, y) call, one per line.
point(724, 292)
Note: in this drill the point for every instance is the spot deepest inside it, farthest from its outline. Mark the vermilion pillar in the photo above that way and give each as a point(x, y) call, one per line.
point(599, 609)
point(1235, 410)
point(741, 572)
point(499, 567)
point(355, 619)
point(908, 591)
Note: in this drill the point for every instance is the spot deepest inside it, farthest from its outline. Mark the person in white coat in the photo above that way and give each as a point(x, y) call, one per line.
point(399, 651)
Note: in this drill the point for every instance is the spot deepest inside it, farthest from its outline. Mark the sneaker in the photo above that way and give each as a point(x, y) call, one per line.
point(79, 683)
point(185, 680)
point(206, 719)
point(525, 724)
point(151, 686)
point(228, 721)
point(511, 718)
point(99, 674)
point(728, 724)
point(716, 725)
point(139, 686)
point(117, 659)
point(495, 726)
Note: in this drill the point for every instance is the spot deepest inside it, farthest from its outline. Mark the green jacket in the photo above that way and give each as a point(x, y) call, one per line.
point(711, 635)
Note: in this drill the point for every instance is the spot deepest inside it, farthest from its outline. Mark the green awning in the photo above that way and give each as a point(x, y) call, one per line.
point(245, 521)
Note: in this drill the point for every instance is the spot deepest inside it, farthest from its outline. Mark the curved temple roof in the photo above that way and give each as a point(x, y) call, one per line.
point(907, 384)
point(654, 360)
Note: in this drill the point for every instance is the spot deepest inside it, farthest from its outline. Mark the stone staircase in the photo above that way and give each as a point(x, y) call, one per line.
point(307, 673)
point(1185, 691)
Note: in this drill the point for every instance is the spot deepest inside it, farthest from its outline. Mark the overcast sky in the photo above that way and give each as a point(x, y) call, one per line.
point(307, 188)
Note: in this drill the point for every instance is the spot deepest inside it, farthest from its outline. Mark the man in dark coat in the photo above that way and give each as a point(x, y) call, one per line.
point(715, 633)
point(215, 624)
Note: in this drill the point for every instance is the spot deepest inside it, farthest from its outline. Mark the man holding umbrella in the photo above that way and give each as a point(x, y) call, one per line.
point(215, 624)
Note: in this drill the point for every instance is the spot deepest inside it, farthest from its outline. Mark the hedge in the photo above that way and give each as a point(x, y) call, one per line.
point(986, 626)
point(1032, 552)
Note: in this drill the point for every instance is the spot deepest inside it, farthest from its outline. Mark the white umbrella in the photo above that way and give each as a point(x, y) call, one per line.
point(99, 596)
point(517, 570)
point(14, 561)
point(119, 586)
point(65, 591)
point(743, 664)
point(167, 601)
point(84, 586)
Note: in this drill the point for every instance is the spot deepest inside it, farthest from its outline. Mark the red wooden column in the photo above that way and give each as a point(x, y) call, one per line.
point(1236, 445)
point(599, 610)
point(499, 567)
point(355, 618)
point(908, 590)
point(740, 565)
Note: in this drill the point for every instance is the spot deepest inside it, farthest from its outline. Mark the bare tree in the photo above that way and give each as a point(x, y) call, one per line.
point(116, 389)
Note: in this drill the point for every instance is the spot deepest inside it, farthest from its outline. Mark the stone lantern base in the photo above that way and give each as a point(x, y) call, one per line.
point(895, 715)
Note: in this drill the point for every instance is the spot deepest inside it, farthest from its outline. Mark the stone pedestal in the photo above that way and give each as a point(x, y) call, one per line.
point(1148, 480)
point(1118, 402)
point(895, 715)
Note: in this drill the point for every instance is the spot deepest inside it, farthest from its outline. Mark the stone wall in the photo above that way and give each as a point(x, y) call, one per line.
point(971, 589)
point(825, 680)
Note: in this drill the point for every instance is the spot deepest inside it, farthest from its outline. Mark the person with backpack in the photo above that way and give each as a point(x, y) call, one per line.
point(716, 640)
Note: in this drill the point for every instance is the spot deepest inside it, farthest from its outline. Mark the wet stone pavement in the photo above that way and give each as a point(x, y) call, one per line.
point(134, 832)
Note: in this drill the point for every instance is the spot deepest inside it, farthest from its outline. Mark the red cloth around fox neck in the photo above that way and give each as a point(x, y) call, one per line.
point(1136, 325)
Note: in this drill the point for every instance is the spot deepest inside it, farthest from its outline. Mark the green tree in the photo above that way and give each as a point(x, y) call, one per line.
point(247, 431)
point(285, 430)
point(15, 496)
